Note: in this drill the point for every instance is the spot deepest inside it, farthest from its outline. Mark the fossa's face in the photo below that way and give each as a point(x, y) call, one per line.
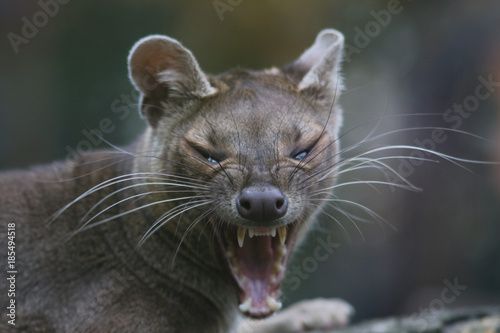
point(260, 148)
point(267, 158)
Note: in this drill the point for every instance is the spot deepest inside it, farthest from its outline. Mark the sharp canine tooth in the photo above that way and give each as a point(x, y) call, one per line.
point(282, 233)
point(247, 305)
point(251, 233)
point(272, 303)
point(273, 232)
point(241, 235)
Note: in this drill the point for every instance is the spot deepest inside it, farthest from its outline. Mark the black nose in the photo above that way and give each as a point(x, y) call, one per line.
point(261, 204)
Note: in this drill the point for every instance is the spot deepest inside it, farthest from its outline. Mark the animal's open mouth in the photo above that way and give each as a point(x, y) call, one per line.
point(257, 257)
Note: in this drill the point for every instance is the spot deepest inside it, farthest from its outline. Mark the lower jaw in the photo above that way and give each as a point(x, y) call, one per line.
point(260, 307)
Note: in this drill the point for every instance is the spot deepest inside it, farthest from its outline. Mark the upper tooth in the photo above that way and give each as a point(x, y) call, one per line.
point(272, 303)
point(241, 235)
point(252, 232)
point(255, 232)
point(282, 233)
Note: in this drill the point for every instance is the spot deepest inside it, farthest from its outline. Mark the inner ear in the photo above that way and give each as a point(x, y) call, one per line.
point(317, 76)
point(157, 62)
point(318, 67)
point(165, 72)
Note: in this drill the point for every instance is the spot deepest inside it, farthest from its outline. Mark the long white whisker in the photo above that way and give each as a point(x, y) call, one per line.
point(159, 223)
point(87, 226)
point(368, 182)
point(449, 158)
point(343, 212)
point(366, 140)
point(117, 180)
point(342, 226)
point(127, 199)
point(189, 229)
point(138, 185)
point(364, 208)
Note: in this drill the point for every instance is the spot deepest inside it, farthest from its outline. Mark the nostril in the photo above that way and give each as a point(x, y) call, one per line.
point(245, 204)
point(279, 203)
point(281, 207)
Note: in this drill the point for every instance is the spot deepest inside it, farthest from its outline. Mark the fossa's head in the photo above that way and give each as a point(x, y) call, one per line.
point(259, 147)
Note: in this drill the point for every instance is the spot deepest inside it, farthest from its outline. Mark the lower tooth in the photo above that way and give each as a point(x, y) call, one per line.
point(272, 303)
point(247, 305)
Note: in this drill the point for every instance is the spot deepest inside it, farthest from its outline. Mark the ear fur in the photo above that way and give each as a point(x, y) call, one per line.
point(165, 72)
point(317, 69)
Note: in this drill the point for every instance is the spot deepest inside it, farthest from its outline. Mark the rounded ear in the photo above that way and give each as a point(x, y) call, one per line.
point(165, 72)
point(317, 69)
point(317, 73)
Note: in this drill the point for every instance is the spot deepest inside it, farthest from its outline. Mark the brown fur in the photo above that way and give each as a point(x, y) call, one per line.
point(251, 124)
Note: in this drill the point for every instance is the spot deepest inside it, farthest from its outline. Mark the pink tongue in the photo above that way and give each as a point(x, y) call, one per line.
point(256, 259)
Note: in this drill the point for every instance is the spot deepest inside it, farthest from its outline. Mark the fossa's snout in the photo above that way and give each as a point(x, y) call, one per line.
point(261, 204)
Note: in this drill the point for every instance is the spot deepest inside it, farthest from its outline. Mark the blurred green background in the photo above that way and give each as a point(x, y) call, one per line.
point(63, 70)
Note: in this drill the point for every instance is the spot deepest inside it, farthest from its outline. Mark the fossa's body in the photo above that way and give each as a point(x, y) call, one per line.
point(193, 224)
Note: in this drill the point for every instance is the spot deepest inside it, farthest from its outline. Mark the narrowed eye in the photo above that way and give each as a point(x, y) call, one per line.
point(206, 155)
point(300, 156)
point(212, 160)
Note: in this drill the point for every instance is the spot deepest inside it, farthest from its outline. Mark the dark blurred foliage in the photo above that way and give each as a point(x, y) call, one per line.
point(72, 73)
